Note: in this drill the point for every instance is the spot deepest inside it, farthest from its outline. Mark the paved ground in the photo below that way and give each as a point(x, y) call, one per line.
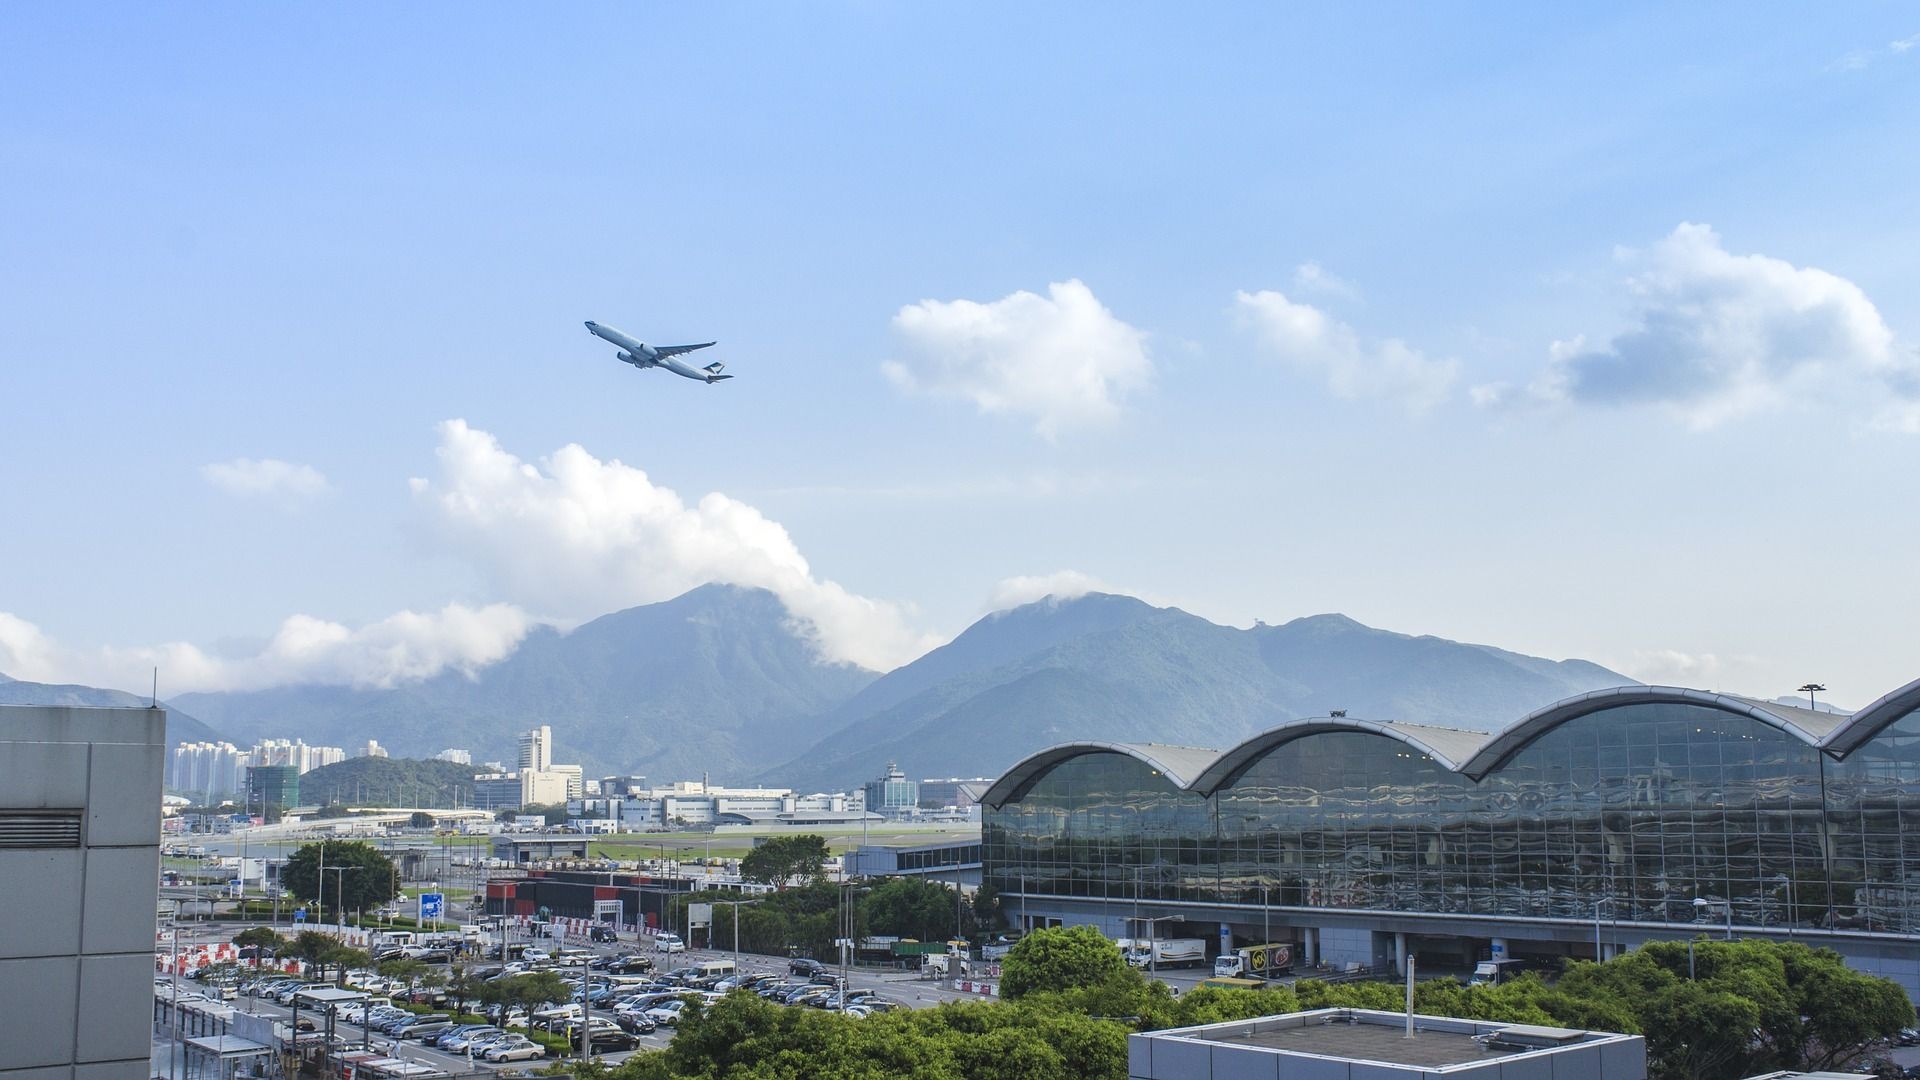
point(909, 989)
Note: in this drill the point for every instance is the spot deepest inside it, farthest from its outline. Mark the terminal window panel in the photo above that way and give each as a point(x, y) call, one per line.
point(1646, 807)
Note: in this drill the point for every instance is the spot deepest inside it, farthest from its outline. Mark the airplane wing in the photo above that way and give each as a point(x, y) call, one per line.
point(664, 351)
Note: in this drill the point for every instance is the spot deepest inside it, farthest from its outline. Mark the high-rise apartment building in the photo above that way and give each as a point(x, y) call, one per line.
point(208, 771)
point(296, 753)
point(536, 749)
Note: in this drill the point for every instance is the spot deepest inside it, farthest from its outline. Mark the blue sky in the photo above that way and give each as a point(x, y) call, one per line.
point(1584, 333)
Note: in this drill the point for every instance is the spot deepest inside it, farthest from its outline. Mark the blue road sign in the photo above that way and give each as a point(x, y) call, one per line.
point(299, 914)
point(431, 904)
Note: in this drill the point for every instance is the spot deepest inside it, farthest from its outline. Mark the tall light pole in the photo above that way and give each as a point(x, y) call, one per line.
point(1266, 923)
point(736, 929)
point(1597, 957)
point(339, 891)
point(1153, 960)
point(1810, 689)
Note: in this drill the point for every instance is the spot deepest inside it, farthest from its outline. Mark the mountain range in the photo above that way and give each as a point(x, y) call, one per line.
point(721, 681)
point(181, 727)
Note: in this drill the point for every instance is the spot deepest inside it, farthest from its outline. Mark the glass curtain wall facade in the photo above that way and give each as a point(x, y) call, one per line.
point(1642, 809)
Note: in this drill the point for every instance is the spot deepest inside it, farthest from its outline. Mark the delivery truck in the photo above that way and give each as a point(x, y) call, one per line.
point(1254, 961)
point(1169, 952)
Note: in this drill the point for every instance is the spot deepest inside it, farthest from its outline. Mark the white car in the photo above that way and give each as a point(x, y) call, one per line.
point(514, 1048)
point(669, 943)
point(537, 954)
point(667, 1013)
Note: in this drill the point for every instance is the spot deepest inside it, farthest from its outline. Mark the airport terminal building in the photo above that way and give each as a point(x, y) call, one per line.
point(1594, 824)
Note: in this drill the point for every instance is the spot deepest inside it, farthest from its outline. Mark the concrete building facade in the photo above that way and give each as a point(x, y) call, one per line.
point(79, 869)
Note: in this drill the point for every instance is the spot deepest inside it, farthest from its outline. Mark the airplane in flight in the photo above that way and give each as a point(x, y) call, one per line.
point(643, 356)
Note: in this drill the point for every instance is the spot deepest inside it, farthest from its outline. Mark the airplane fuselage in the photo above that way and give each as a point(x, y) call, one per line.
point(643, 356)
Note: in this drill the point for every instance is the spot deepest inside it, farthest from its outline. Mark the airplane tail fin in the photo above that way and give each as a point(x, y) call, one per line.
point(714, 368)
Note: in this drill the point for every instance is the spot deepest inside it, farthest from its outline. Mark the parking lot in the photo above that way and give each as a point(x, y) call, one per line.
point(612, 970)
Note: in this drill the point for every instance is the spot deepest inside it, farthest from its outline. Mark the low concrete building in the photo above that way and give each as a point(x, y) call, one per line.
point(79, 883)
point(1346, 1044)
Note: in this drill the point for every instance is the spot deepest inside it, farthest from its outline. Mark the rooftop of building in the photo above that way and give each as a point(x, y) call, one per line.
point(1439, 1044)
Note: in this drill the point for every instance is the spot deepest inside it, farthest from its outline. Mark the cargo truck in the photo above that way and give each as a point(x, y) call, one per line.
point(1169, 952)
point(1254, 961)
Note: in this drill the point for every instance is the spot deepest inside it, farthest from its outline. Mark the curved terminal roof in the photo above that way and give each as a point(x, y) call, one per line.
point(1471, 753)
point(1448, 746)
point(1810, 727)
point(1868, 722)
point(1179, 764)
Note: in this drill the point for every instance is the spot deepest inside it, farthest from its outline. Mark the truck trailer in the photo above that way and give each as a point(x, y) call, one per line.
point(1254, 961)
point(1169, 952)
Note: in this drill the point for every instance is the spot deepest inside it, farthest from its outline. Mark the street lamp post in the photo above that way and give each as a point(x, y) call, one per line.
point(1153, 959)
point(736, 930)
point(1266, 926)
point(1597, 955)
point(1703, 903)
point(339, 892)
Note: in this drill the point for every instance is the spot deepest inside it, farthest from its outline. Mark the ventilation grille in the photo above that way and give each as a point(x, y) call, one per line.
point(39, 829)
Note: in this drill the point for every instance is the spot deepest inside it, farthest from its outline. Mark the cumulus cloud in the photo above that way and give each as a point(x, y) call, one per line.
point(575, 536)
point(266, 478)
point(1314, 278)
point(1062, 360)
point(399, 648)
point(1311, 341)
point(1716, 335)
point(1014, 592)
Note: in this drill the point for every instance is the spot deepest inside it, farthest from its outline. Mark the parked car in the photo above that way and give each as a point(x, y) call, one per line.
point(669, 943)
point(427, 1032)
point(806, 966)
point(514, 1048)
point(637, 1022)
point(667, 1012)
point(603, 935)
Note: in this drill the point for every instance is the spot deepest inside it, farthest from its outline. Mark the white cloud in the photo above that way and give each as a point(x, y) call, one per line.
point(1314, 278)
point(399, 648)
point(266, 478)
point(1717, 335)
point(1062, 360)
point(576, 537)
point(1671, 667)
point(1860, 59)
point(1014, 592)
point(1308, 339)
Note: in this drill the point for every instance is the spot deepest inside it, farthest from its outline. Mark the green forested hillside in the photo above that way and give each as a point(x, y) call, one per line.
point(376, 781)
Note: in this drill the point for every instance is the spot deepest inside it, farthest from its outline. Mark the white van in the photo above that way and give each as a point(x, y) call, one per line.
point(715, 969)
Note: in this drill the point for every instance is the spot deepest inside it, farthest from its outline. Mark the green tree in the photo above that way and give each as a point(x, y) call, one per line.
point(261, 939)
point(1059, 958)
point(534, 990)
point(779, 860)
point(464, 986)
point(403, 968)
point(345, 958)
point(367, 881)
point(914, 908)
